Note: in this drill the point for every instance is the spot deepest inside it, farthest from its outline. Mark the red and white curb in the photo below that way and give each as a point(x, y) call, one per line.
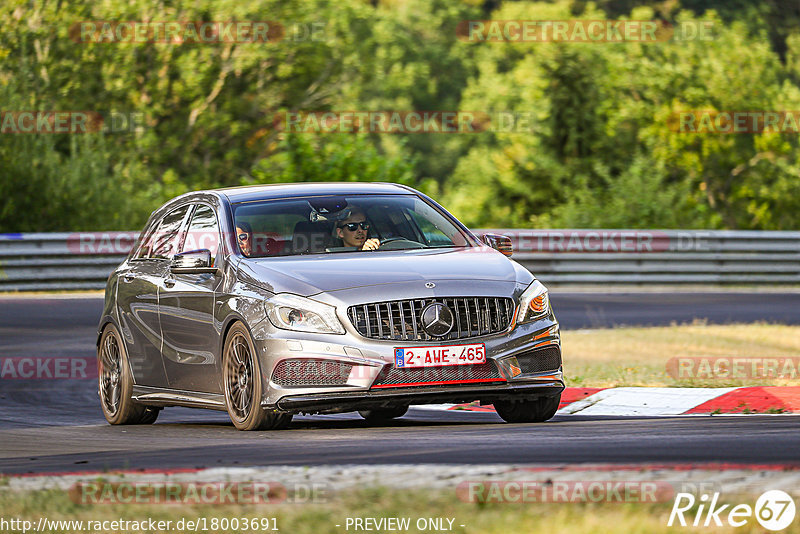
point(652, 401)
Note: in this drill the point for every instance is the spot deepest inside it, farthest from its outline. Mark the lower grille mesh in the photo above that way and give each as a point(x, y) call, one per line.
point(391, 376)
point(311, 373)
point(540, 360)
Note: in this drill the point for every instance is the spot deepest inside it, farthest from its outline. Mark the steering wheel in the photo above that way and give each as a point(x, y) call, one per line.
point(402, 243)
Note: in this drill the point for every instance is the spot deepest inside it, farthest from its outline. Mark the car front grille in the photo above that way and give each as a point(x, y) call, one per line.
point(540, 360)
point(401, 319)
point(309, 373)
point(428, 376)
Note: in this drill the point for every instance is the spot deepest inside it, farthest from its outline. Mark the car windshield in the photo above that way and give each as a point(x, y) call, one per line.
point(337, 224)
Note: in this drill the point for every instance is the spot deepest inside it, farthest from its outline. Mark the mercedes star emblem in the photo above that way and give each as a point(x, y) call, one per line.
point(437, 319)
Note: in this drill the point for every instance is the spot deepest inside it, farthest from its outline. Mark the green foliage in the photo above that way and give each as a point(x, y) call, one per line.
point(44, 188)
point(599, 151)
point(303, 158)
point(603, 153)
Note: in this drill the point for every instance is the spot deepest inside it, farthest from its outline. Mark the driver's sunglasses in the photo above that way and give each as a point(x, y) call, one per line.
point(352, 226)
point(243, 237)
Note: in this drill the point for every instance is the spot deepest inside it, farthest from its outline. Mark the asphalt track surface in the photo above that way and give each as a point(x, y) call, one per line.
point(57, 426)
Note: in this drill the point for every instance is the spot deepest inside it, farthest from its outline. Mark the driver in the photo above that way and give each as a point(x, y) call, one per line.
point(353, 231)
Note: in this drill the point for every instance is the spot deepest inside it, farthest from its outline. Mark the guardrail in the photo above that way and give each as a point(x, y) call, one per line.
point(56, 261)
point(50, 261)
point(658, 256)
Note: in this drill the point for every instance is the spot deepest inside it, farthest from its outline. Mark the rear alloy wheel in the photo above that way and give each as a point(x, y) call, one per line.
point(243, 384)
point(383, 415)
point(115, 383)
point(528, 411)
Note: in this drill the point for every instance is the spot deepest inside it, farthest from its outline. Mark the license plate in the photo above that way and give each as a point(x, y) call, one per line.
point(437, 356)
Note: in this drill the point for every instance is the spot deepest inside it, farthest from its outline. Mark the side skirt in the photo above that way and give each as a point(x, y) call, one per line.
point(153, 396)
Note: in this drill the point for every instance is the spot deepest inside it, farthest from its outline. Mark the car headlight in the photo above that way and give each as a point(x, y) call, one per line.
point(534, 303)
point(291, 312)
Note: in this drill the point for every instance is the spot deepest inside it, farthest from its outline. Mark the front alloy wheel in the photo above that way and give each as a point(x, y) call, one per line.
point(243, 384)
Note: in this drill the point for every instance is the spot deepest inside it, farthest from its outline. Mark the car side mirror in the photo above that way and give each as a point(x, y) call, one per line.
point(193, 262)
point(500, 243)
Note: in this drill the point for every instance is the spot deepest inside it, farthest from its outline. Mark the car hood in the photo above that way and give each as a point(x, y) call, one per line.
point(310, 275)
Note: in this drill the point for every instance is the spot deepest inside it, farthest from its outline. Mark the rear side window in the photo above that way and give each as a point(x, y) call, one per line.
point(164, 242)
point(146, 245)
point(203, 231)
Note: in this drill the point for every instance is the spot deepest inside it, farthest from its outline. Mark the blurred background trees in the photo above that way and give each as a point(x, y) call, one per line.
point(598, 151)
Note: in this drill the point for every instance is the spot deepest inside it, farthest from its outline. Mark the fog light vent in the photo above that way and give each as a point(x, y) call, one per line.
point(310, 373)
point(540, 360)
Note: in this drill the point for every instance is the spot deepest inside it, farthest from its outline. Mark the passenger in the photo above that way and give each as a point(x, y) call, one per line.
point(244, 236)
point(353, 231)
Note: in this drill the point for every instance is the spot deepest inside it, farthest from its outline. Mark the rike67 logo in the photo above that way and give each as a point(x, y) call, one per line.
point(774, 510)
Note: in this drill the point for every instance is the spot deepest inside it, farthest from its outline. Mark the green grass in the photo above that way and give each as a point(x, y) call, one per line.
point(322, 518)
point(638, 356)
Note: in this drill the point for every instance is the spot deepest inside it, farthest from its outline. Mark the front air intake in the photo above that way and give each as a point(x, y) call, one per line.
point(311, 373)
point(540, 360)
point(434, 376)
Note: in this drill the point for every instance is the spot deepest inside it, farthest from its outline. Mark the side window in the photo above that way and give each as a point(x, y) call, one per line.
point(165, 240)
point(203, 231)
point(146, 243)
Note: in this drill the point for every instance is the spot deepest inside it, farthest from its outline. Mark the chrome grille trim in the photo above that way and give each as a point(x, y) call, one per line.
point(474, 317)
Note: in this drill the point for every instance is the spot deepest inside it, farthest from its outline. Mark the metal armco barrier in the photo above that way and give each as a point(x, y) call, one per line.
point(83, 260)
point(658, 256)
point(80, 260)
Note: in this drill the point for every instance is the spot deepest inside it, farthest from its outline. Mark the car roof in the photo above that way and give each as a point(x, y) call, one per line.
point(251, 193)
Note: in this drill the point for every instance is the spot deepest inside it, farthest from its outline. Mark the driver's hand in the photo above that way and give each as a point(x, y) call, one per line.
point(371, 244)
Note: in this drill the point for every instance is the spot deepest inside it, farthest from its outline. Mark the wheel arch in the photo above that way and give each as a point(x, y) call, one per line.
point(227, 324)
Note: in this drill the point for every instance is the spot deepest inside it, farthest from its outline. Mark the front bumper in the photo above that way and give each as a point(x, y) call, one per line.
point(374, 399)
point(362, 385)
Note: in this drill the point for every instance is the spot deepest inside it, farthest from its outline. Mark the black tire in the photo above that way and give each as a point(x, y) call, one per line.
point(149, 416)
point(115, 383)
point(528, 411)
point(244, 386)
point(383, 415)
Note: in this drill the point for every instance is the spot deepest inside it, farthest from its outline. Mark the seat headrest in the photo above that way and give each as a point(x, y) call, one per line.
point(311, 237)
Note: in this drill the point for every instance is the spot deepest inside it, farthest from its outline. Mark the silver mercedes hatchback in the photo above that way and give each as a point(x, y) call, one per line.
point(268, 301)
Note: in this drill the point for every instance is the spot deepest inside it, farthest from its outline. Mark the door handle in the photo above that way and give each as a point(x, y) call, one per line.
point(128, 277)
point(169, 282)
